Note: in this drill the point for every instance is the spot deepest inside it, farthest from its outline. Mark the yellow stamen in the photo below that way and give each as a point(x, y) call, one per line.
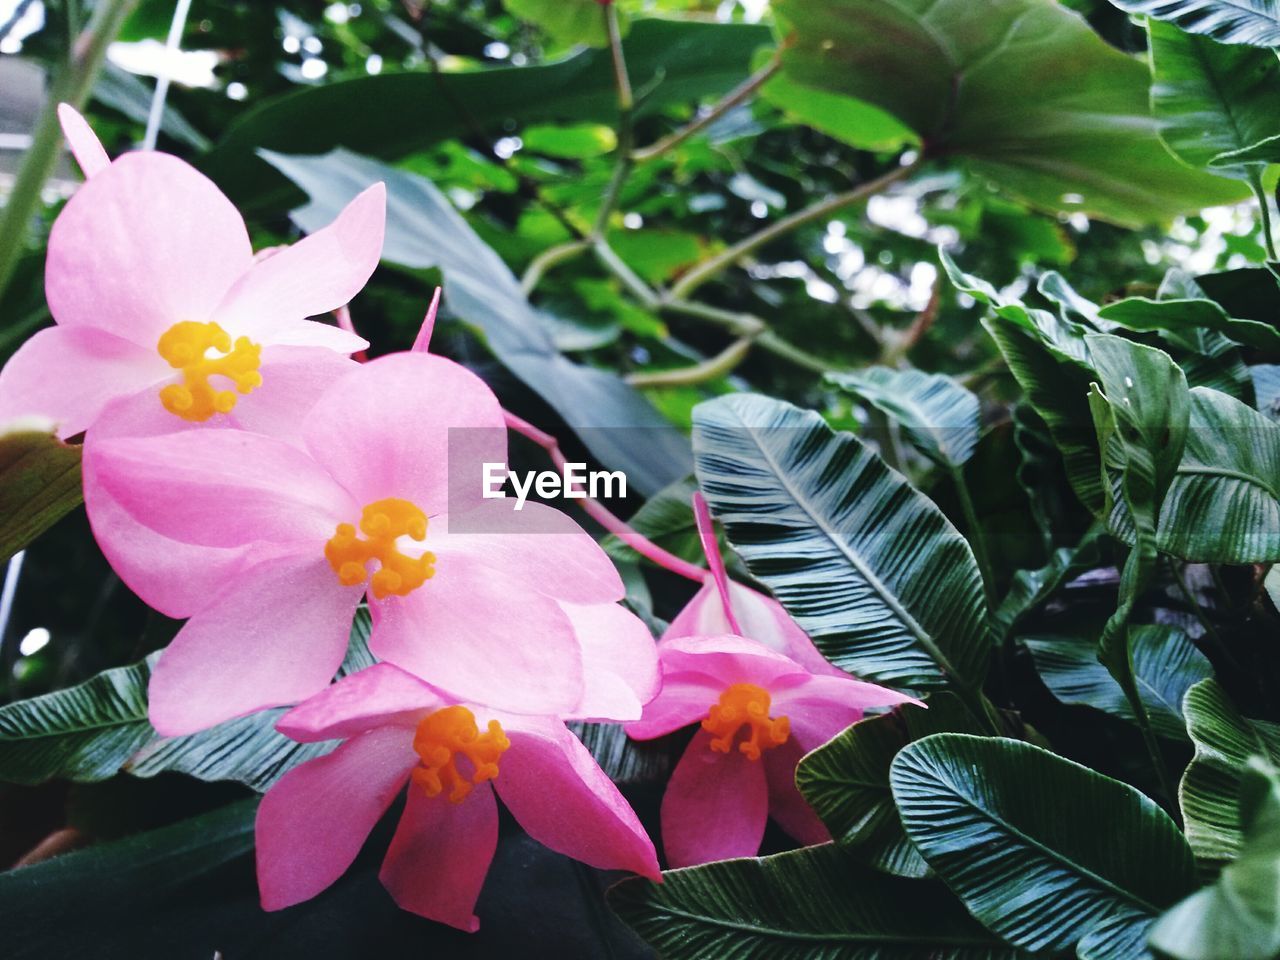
point(443, 736)
point(382, 522)
point(745, 704)
point(184, 346)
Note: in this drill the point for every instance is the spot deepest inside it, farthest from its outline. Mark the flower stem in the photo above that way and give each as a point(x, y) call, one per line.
point(72, 83)
point(977, 539)
point(601, 514)
point(1264, 208)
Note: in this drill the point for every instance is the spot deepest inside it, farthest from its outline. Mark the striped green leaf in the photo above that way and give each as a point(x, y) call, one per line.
point(816, 903)
point(1255, 22)
point(1046, 853)
point(1224, 740)
point(869, 567)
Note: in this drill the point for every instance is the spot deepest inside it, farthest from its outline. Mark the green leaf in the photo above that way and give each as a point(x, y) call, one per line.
point(1255, 22)
point(1030, 588)
point(99, 728)
point(811, 904)
point(1184, 318)
point(1165, 662)
point(862, 124)
point(939, 416)
point(1044, 852)
point(1224, 742)
point(423, 231)
point(1239, 916)
point(1224, 503)
point(868, 566)
point(1211, 98)
point(573, 141)
point(674, 62)
point(958, 75)
point(39, 483)
point(568, 21)
point(847, 781)
point(1264, 151)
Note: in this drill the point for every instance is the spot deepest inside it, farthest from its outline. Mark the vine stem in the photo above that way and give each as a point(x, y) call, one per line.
point(710, 369)
point(734, 97)
point(1264, 211)
point(977, 538)
point(71, 85)
point(601, 514)
point(716, 265)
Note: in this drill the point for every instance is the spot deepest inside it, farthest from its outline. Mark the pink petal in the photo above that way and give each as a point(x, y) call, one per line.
point(683, 699)
point(557, 793)
point(313, 822)
point(729, 659)
point(619, 660)
point(277, 634)
point(820, 707)
point(760, 617)
point(145, 243)
point(69, 374)
point(380, 695)
point(313, 333)
point(539, 546)
point(293, 378)
point(715, 807)
point(786, 804)
point(223, 488)
point(440, 854)
point(422, 342)
point(83, 142)
point(384, 429)
point(484, 638)
point(317, 274)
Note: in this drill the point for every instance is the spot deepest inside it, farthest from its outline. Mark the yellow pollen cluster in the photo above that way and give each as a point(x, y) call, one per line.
point(184, 346)
point(445, 734)
point(383, 522)
point(745, 704)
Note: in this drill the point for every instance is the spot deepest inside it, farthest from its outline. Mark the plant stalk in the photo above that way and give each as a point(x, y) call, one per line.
point(72, 84)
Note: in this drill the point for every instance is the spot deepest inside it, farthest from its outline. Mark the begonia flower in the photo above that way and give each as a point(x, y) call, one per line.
point(758, 713)
point(154, 288)
point(361, 507)
point(454, 757)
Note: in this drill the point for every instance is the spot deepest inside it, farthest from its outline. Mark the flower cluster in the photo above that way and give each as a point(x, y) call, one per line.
point(243, 473)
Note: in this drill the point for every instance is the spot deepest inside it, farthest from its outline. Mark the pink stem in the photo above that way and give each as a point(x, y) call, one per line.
point(711, 547)
point(601, 514)
point(343, 316)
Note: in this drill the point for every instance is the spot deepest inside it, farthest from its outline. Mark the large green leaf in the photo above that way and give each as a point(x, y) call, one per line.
point(867, 565)
point(1165, 664)
point(941, 418)
point(1224, 503)
point(98, 728)
point(817, 903)
point(39, 483)
point(568, 21)
point(846, 781)
point(1224, 741)
point(1184, 318)
point(1044, 852)
point(394, 114)
point(618, 425)
point(1255, 22)
point(959, 73)
point(1239, 916)
point(1211, 98)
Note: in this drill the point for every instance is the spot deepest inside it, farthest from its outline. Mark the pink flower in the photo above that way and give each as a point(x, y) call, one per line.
point(154, 288)
point(506, 618)
point(759, 713)
point(454, 757)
